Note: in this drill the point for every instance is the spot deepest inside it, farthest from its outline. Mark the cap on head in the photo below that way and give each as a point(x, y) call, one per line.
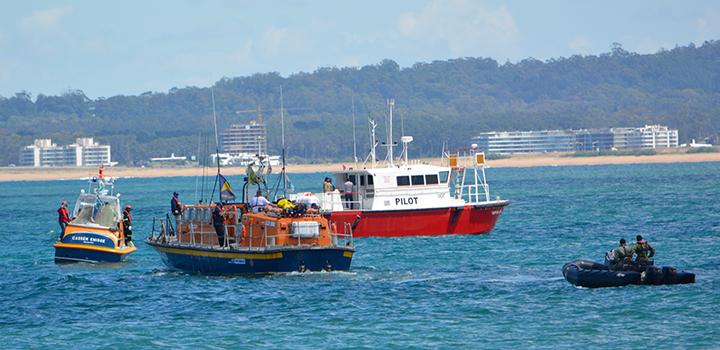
point(175, 194)
point(622, 241)
point(64, 202)
point(327, 179)
point(639, 238)
point(128, 206)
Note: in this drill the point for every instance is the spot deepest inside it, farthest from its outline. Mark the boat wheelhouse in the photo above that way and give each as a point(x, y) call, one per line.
point(96, 232)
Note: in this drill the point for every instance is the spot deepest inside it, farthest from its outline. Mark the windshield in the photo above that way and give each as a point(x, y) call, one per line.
point(99, 210)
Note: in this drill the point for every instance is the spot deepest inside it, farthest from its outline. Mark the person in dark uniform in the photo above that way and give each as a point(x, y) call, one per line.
point(63, 217)
point(643, 252)
point(176, 208)
point(219, 223)
point(127, 224)
point(623, 257)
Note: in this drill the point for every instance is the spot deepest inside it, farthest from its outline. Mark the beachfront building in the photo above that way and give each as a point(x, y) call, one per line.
point(594, 139)
point(647, 137)
point(172, 161)
point(250, 138)
point(84, 152)
point(526, 141)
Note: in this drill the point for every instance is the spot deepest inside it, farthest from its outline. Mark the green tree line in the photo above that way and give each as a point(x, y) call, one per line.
point(441, 101)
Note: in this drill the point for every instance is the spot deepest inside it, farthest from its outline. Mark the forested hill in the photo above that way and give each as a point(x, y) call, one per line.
point(439, 101)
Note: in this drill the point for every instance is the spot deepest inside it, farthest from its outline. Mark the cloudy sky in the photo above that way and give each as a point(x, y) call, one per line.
point(130, 47)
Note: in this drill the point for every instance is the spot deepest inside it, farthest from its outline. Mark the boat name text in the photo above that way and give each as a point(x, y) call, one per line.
point(406, 201)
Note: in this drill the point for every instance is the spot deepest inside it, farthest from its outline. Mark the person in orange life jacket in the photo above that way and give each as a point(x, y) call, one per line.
point(643, 252)
point(63, 217)
point(127, 224)
point(176, 208)
point(219, 223)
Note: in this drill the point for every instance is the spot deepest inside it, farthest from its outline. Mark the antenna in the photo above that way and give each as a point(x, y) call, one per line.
point(373, 141)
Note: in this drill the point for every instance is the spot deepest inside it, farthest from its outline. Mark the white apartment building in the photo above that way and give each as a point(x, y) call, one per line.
point(84, 152)
point(649, 136)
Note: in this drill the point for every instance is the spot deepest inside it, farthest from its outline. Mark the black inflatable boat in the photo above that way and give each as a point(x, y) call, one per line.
point(590, 274)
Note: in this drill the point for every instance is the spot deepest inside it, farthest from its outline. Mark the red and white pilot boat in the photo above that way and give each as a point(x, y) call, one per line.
point(404, 199)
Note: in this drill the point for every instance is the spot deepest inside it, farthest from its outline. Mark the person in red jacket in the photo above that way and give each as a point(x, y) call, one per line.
point(63, 217)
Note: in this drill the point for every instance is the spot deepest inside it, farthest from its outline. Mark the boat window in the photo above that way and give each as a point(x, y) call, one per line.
point(403, 181)
point(370, 180)
point(352, 178)
point(444, 176)
point(362, 180)
point(431, 179)
point(418, 180)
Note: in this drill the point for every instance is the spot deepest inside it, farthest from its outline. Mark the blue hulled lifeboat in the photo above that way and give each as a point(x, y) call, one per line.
point(251, 243)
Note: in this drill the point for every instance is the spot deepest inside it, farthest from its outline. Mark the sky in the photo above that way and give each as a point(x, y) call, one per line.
point(129, 47)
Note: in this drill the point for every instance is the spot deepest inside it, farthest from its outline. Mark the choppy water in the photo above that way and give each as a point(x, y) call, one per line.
point(503, 290)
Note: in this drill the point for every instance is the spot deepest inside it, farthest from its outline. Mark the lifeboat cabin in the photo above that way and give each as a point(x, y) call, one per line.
point(251, 242)
point(96, 232)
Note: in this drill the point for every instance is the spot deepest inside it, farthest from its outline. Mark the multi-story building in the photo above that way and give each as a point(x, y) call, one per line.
point(526, 141)
point(659, 136)
point(250, 138)
point(84, 152)
point(593, 139)
point(649, 136)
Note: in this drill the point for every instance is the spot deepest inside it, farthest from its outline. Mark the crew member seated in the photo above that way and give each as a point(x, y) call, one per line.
point(620, 258)
point(258, 202)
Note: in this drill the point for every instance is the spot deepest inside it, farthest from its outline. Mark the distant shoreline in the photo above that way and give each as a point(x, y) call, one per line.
point(10, 174)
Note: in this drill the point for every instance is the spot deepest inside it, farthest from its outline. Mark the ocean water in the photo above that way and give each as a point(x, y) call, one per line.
point(503, 290)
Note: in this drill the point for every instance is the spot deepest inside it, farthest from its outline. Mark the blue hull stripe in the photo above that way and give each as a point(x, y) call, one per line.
point(287, 260)
point(72, 254)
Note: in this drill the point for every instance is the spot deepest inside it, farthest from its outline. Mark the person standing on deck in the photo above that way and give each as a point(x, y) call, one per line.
point(348, 193)
point(127, 224)
point(63, 217)
point(328, 185)
point(219, 223)
point(176, 208)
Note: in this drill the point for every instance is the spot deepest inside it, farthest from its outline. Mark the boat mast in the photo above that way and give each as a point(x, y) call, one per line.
point(373, 140)
point(217, 147)
point(352, 98)
point(282, 131)
point(391, 104)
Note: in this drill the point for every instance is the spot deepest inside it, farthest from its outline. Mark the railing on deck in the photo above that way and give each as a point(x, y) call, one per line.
point(207, 237)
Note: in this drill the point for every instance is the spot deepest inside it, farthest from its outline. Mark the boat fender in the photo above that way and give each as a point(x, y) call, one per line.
point(356, 222)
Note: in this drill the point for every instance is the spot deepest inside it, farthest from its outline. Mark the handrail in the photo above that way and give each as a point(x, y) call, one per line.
point(337, 239)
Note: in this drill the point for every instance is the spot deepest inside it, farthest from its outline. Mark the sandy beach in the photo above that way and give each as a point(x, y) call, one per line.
point(38, 174)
